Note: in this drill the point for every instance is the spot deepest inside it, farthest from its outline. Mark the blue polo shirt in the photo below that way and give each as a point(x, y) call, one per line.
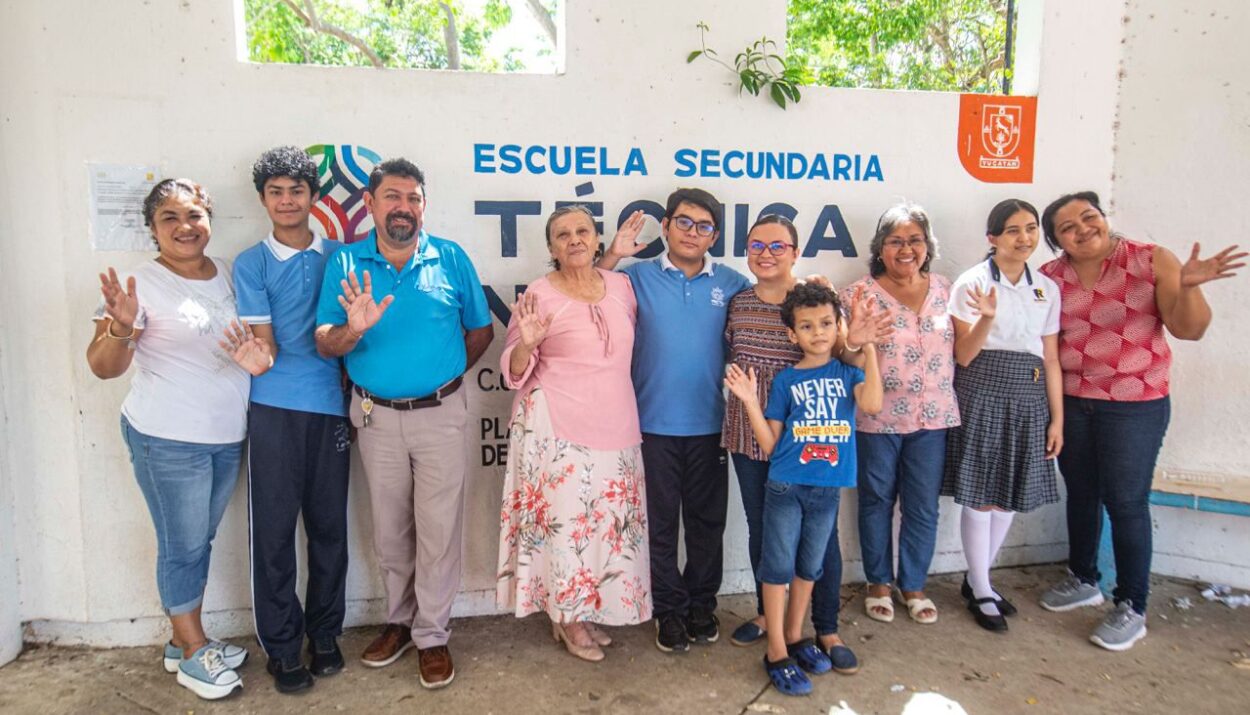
point(418, 345)
point(679, 345)
point(816, 407)
point(278, 285)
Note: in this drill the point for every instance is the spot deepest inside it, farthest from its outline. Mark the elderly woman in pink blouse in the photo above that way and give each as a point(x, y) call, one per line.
point(902, 450)
point(573, 529)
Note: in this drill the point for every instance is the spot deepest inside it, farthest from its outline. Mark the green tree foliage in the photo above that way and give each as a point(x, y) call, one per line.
point(946, 45)
point(382, 33)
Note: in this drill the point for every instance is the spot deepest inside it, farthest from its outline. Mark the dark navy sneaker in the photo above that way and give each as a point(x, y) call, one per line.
point(289, 675)
point(670, 634)
point(327, 659)
point(702, 626)
point(747, 634)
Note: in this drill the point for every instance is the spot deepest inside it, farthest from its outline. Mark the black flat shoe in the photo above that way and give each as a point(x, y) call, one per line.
point(289, 677)
point(1004, 606)
point(327, 659)
point(997, 624)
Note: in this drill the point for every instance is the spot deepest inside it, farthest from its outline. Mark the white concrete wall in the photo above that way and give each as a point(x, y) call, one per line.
point(10, 616)
point(1181, 174)
point(139, 82)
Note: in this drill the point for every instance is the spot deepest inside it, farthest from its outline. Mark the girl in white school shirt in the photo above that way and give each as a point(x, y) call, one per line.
point(1010, 391)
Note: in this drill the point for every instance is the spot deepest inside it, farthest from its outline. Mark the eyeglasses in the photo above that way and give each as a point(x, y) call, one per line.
point(703, 228)
point(777, 248)
point(898, 243)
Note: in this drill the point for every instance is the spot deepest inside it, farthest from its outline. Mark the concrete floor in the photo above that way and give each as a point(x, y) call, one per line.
point(1044, 665)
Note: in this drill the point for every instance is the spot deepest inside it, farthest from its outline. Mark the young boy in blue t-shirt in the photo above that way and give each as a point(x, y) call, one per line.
point(808, 428)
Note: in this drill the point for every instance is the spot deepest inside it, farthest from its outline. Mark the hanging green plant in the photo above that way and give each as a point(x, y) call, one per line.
point(759, 69)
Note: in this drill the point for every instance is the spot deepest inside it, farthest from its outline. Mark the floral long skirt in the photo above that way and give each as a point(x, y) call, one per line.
point(573, 528)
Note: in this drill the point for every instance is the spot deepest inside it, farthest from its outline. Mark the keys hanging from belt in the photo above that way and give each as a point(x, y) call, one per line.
point(366, 406)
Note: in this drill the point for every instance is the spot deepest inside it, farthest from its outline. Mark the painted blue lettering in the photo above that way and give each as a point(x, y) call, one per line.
point(830, 219)
point(652, 209)
point(605, 168)
point(685, 162)
point(556, 166)
point(710, 163)
point(793, 171)
point(510, 159)
point(873, 170)
point(507, 211)
point(532, 166)
point(585, 162)
point(841, 167)
point(730, 171)
point(635, 164)
point(820, 168)
point(755, 164)
point(776, 165)
point(482, 154)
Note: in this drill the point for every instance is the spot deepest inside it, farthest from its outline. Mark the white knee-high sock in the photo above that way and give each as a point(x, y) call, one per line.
point(974, 528)
point(1000, 524)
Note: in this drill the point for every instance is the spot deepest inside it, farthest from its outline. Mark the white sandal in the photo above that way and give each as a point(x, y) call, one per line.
point(885, 603)
point(916, 606)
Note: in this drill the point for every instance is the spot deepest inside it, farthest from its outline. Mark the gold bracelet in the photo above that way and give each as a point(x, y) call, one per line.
point(108, 331)
point(847, 346)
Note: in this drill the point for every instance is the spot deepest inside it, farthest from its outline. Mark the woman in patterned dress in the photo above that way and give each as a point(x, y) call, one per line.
point(573, 527)
point(1118, 297)
point(902, 449)
point(758, 340)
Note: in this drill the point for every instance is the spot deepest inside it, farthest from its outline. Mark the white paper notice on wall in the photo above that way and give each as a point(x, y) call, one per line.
point(115, 201)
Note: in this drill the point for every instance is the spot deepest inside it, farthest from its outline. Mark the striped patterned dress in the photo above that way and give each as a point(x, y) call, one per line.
point(757, 339)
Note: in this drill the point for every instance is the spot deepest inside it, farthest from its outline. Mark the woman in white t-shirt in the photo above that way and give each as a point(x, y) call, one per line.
point(1010, 391)
point(185, 416)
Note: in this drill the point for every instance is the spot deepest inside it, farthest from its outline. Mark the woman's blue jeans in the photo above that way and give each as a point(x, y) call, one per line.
point(826, 594)
point(1108, 460)
point(906, 468)
point(187, 487)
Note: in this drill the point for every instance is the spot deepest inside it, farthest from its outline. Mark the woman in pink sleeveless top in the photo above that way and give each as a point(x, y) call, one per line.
point(1118, 295)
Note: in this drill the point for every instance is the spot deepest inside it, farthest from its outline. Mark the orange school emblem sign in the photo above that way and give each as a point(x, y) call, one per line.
point(996, 136)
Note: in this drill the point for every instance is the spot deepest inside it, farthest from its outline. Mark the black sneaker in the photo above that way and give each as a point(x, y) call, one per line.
point(289, 675)
point(702, 626)
point(327, 659)
point(670, 635)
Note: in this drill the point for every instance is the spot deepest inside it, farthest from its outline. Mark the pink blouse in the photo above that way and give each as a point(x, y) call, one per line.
point(917, 362)
point(583, 364)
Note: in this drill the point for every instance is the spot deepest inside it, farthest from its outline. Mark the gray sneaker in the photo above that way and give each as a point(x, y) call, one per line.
point(1120, 629)
point(1071, 593)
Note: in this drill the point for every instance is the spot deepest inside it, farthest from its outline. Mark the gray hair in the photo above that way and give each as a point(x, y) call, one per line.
point(565, 211)
point(894, 217)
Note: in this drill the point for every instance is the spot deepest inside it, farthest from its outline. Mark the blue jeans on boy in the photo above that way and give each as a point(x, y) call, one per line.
point(907, 468)
point(827, 593)
point(187, 487)
point(798, 520)
point(1108, 459)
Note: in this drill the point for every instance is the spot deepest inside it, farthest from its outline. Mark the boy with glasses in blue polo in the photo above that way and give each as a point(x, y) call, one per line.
point(808, 432)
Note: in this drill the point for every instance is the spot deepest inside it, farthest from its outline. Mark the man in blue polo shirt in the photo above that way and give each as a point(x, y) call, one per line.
point(679, 362)
point(298, 446)
point(405, 353)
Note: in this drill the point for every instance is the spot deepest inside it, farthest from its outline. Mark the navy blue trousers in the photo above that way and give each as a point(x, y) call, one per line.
point(297, 462)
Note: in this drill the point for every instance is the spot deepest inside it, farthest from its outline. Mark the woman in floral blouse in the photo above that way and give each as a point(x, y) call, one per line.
point(902, 450)
point(573, 529)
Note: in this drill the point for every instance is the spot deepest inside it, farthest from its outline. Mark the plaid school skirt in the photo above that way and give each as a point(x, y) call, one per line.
point(997, 456)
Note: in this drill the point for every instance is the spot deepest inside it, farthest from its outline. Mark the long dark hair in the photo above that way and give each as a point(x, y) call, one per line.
point(996, 222)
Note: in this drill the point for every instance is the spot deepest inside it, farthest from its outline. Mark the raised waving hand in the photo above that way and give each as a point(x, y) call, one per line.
point(362, 311)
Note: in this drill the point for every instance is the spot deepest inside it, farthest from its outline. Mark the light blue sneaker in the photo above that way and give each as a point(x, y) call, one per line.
point(234, 655)
point(206, 674)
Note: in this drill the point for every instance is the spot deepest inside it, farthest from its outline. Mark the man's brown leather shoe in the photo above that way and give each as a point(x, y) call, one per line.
point(435, 667)
point(387, 647)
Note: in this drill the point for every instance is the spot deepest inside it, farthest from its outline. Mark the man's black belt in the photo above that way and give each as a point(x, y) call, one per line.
point(434, 399)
